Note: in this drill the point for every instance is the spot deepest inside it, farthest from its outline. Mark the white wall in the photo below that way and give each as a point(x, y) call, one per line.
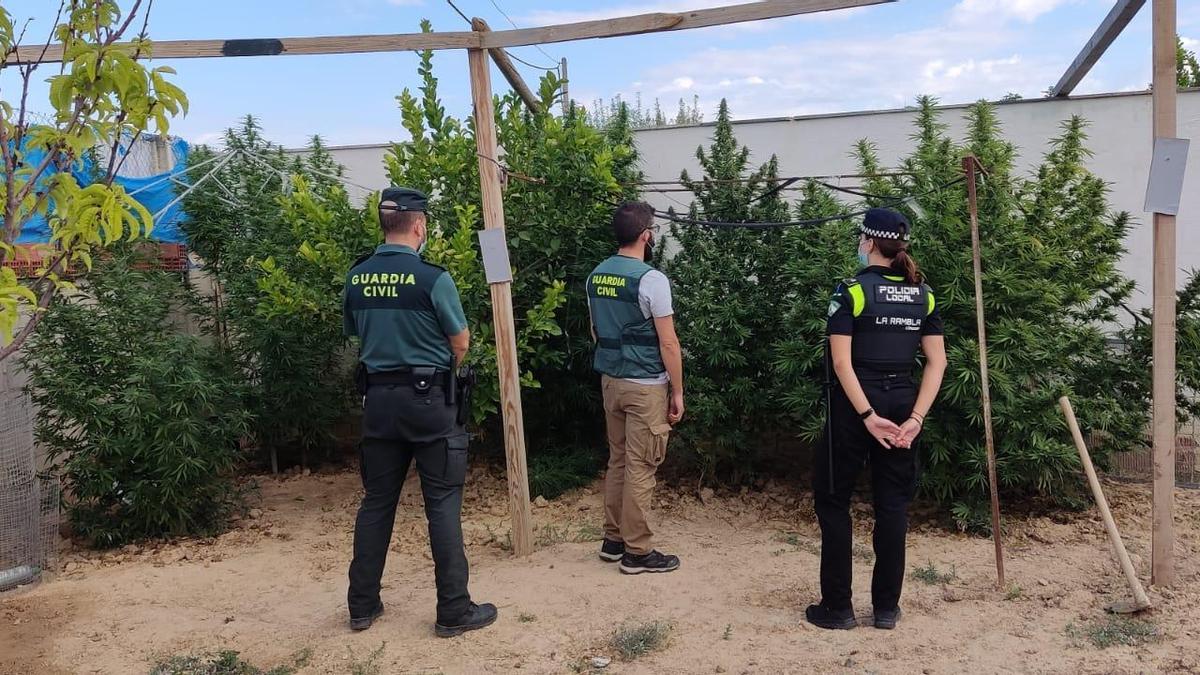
point(1119, 134)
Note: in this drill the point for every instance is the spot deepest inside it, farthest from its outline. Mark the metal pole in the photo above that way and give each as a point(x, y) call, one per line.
point(970, 165)
point(1163, 527)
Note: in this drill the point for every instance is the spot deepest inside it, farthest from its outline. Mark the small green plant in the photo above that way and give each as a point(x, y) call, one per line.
point(798, 543)
point(555, 471)
point(226, 662)
point(1112, 631)
point(728, 634)
point(369, 666)
point(931, 575)
point(1014, 592)
point(636, 639)
point(526, 617)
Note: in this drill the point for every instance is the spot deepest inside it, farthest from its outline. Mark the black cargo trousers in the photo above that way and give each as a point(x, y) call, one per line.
point(402, 423)
point(893, 483)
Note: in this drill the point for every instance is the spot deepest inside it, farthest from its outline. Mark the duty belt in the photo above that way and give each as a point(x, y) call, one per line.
point(408, 377)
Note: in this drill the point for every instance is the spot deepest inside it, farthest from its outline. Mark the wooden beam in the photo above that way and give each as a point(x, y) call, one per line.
point(1162, 567)
point(342, 44)
point(510, 72)
point(355, 44)
point(660, 22)
point(1116, 21)
point(502, 308)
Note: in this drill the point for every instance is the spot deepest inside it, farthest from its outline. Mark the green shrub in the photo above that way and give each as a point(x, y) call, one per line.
point(725, 282)
point(553, 471)
point(636, 639)
point(260, 220)
point(142, 422)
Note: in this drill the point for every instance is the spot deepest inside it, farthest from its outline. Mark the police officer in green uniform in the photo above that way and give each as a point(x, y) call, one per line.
point(878, 321)
point(412, 331)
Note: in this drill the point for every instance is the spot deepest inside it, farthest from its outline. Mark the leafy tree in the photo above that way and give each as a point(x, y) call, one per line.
point(257, 221)
point(141, 421)
point(1187, 68)
point(726, 281)
point(557, 226)
point(603, 113)
point(101, 96)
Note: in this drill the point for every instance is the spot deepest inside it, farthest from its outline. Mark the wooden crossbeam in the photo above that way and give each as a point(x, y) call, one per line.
point(357, 44)
point(1116, 21)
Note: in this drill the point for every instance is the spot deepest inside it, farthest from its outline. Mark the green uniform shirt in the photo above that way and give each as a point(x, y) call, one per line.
point(402, 309)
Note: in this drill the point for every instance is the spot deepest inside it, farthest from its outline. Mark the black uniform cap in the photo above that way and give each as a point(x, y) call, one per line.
point(403, 199)
point(885, 224)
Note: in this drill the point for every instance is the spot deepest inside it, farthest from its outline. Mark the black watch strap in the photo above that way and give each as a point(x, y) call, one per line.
point(864, 415)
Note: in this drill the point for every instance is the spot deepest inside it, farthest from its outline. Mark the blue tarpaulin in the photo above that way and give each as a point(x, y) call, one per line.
point(154, 192)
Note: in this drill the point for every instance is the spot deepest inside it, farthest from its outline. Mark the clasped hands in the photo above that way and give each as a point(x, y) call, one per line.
point(892, 435)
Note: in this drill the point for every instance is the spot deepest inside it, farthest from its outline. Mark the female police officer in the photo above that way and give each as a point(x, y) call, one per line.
point(877, 322)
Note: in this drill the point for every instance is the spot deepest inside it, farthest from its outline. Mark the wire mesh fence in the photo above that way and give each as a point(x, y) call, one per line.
point(29, 497)
point(1138, 465)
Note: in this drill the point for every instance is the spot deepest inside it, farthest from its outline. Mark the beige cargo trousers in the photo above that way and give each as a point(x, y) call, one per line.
point(636, 417)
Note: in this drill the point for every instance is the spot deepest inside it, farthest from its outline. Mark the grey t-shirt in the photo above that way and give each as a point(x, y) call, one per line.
point(654, 299)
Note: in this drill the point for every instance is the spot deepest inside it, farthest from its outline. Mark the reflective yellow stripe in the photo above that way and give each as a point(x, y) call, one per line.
point(891, 278)
point(857, 298)
point(932, 302)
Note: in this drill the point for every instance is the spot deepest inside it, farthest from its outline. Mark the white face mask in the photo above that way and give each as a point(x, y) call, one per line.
point(424, 242)
point(863, 258)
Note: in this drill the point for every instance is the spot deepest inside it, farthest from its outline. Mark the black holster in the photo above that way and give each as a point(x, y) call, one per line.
point(360, 378)
point(464, 386)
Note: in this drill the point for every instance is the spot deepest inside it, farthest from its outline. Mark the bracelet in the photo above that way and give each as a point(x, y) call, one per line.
point(919, 421)
point(864, 415)
point(919, 417)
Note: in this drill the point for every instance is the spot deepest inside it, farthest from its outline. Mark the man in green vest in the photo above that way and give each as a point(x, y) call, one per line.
point(641, 366)
point(409, 320)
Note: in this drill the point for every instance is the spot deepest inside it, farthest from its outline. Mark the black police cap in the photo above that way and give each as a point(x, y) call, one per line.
point(886, 224)
point(403, 199)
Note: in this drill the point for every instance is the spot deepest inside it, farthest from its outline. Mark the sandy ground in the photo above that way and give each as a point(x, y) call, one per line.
point(274, 587)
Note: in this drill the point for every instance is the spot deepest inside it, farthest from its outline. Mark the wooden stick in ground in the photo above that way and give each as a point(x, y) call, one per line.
point(1162, 558)
point(1114, 536)
point(970, 165)
point(510, 72)
point(502, 308)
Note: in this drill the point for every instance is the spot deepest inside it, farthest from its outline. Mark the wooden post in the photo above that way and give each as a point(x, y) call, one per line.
point(1163, 528)
point(1140, 601)
point(502, 307)
point(970, 165)
point(566, 83)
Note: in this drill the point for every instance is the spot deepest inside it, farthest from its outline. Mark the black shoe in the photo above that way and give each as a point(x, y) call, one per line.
point(651, 562)
point(478, 616)
point(612, 551)
point(364, 622)
point(833, 619)
point(887, 618)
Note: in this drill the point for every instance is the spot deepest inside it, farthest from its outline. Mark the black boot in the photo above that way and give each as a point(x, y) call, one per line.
point(833, 619)
point(887, 618)
point(478, 616)
point(364, 622)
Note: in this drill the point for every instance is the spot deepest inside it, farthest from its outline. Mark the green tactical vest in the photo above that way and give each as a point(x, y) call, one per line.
point(626, 341)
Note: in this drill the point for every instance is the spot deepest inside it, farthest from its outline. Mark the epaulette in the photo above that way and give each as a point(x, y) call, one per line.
point(851, 281)
point(440, 267)
point(361, 259)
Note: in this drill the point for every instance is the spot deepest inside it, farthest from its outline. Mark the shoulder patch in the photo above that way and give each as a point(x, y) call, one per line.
point(850, 281)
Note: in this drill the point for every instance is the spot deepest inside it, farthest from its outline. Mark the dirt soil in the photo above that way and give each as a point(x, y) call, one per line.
point(274, 588)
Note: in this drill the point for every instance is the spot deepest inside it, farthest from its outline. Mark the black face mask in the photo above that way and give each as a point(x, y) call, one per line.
point(648, 256)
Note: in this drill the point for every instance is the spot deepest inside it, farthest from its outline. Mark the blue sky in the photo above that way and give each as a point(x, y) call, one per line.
point(876, 57)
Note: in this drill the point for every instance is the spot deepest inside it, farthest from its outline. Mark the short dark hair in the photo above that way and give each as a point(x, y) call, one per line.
point(398, 222)
point(630, 220)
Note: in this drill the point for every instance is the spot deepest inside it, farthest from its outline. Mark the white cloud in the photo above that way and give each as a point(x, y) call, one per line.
point(983, 12)
point(954, 62)
point(1191, 44)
